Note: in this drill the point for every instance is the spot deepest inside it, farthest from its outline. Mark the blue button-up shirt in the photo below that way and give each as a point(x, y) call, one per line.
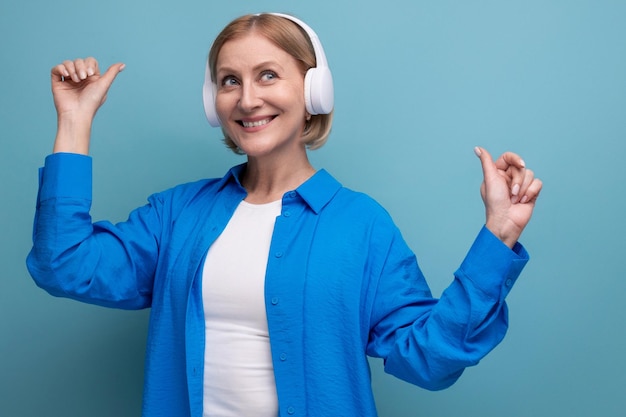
point(341, 284)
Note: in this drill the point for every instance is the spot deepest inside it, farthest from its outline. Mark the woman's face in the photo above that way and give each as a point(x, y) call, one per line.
point(260, 96)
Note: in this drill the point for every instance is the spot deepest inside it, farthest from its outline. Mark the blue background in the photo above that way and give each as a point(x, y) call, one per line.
point(418, 85)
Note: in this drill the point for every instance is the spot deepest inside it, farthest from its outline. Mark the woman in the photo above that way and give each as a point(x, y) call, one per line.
point(269, 286)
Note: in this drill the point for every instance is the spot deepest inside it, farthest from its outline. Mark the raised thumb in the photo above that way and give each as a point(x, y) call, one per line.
point(112, 72)
point(486, 162)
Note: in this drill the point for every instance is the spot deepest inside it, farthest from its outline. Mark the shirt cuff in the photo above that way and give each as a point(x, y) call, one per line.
point(66, 175)
point(492, 266)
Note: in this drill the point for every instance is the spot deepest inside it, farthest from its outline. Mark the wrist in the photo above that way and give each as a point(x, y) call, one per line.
point(73, 134)
point(507, 233)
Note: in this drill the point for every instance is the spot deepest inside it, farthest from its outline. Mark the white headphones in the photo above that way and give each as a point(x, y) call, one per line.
point(318, 81)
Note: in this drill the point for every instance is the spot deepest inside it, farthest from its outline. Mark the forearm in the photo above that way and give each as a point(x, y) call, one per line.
point(100, 263)
point(431, 341)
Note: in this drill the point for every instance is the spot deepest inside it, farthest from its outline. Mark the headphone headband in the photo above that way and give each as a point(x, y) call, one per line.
point(320, 56)
point(318, 81)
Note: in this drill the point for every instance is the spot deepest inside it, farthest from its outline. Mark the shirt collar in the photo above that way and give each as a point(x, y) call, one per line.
point(232, 175)
point(316, 192)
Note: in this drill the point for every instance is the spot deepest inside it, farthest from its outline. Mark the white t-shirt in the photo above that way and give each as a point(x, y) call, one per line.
point(238, 371)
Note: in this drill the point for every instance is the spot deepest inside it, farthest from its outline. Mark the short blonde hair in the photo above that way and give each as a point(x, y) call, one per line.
point(289, 37)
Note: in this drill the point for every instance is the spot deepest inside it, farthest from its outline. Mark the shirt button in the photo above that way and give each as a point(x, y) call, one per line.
point(292, 194)
point(283, 356)
point(508, 282)
point(286, 214)
point(291, 410)
point(275, 300)
point(278, 254)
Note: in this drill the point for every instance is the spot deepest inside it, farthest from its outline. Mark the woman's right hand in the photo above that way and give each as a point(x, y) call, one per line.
point(79, 90)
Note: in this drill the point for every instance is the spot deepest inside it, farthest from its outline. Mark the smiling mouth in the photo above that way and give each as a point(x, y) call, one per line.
point(255, 123)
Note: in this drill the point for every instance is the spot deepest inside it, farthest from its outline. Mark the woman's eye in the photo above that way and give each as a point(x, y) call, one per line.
point(268, 75)
point(229, 81)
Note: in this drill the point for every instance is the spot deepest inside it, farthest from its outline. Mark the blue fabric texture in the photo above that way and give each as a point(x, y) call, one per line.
point(341, 284)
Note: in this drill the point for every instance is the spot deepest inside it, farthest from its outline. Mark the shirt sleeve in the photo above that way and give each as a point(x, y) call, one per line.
point(98, 263)
point(428, 341)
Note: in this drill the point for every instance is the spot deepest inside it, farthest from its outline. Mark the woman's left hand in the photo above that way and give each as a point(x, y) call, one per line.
point(509, 191)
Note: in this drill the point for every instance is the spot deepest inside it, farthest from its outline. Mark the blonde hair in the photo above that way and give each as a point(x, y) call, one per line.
point(289, 37)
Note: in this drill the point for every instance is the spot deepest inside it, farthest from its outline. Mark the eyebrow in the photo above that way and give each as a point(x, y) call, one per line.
point(258, 67)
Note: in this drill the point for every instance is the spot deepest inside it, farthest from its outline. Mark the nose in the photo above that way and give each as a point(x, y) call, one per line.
point(250, 98)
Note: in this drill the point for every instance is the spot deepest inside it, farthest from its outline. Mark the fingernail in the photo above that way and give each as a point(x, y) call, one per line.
point(477, 151)
point(514, 199)
point(90, 72)
point(515, 190)
point(524, 199)
point(82, 75)
point(521, 161)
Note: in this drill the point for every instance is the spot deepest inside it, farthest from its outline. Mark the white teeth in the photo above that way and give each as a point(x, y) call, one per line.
point(257, 123)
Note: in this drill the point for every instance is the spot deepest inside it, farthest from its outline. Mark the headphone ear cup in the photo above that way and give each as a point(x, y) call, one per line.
point(319, 90)
point(208, 96)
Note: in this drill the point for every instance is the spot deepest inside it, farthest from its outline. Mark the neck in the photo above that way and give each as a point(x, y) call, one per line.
point(267, 181)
